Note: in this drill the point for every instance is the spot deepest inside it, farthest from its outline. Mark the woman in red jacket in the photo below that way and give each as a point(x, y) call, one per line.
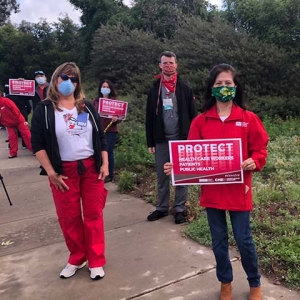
point(225, 115)
point(12, 119)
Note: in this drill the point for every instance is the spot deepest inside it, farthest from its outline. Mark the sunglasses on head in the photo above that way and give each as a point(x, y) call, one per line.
point(65, 77)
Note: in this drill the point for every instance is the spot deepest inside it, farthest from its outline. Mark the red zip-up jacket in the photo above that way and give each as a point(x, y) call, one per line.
point(239, 124)
point(10, 115)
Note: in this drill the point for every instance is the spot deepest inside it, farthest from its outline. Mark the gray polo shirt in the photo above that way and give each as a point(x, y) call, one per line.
point(170, 110)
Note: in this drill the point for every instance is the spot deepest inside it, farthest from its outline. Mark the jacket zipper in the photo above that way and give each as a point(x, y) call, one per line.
point(93, 118)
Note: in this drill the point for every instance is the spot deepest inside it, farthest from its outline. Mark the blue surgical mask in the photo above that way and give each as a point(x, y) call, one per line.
point(40, 80)
point(66, 88)
point(105, 91)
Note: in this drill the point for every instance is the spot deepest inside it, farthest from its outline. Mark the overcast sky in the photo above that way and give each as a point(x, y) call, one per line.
point(33, 10)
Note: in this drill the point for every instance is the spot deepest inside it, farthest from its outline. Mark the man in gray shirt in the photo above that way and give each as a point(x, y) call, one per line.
point(170, 111)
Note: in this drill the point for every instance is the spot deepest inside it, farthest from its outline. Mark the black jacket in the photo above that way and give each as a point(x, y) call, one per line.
point(22, 103)
point(43, 135)
point(37, 98)
point(155, 122)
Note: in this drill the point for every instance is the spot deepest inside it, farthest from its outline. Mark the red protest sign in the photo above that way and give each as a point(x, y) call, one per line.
point(109, 108)
point(21, 87)
point(202, 162)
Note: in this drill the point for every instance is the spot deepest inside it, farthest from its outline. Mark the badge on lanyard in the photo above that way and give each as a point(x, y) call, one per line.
point(82, 119)
point(168, 103)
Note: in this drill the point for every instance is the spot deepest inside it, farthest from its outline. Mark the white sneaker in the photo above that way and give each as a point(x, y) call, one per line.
point(97, 273)
point(70, 270)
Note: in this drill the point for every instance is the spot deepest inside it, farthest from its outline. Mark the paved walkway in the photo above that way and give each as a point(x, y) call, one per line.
point(145, 260)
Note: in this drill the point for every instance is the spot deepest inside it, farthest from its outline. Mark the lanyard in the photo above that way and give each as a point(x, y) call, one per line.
point(158, 97)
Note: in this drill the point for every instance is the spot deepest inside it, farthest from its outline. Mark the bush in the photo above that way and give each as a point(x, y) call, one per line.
point(273, 107)
point(126, 182)
point(131, 150)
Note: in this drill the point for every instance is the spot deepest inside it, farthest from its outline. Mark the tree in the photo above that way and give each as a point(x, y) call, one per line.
point(6, 8)
point(274, 21)
point(263, 68)
point(36, 46)
point(127, 57)
point(95, 13)
point(164, 17)
point(67, 39)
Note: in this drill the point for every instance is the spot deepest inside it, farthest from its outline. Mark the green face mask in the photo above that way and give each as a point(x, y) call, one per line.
point(224, 93)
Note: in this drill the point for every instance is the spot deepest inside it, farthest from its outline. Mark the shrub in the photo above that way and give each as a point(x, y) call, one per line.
point(131, 150)
point(126, 182)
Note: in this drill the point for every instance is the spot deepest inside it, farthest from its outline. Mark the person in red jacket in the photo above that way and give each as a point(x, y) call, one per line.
point(225, 115)
point(12, 119)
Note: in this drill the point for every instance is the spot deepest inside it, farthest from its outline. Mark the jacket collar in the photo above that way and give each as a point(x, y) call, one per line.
point(236, 113)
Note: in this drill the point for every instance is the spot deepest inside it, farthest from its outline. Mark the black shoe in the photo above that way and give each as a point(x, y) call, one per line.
point(6, 141)
point(12, 156)
point(108, 179)
point(155, 215)
point(180, 217)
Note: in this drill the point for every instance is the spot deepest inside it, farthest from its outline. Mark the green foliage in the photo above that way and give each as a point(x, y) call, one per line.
point(129, 58)
point(276, 222)
point(199, 230)
point(6, 8)
point(275, 21)
point(127, 181)
point(163, 18)
point(40, 46)
point(279, 107)
point(95, 13)
point(131, 150)
point(277, 127)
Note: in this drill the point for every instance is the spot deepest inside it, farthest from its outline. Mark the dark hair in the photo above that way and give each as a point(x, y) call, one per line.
point(112, 93)
point(210, 100)
point(167, 54)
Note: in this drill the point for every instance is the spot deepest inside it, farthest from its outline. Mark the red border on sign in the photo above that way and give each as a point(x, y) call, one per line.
point(109, 108)
point(21, 87)
point(204, 162)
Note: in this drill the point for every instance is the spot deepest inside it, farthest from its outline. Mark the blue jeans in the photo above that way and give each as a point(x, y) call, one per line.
point(240, 222)
point(111, 138)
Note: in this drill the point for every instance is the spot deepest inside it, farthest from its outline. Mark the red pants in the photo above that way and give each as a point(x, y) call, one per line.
point(83, 229)
point(13, 138)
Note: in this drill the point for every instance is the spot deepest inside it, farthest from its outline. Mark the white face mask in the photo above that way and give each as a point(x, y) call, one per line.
point(105, 91)
point(40, 80)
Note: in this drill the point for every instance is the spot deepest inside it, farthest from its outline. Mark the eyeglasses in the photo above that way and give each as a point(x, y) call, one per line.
point(65, 77)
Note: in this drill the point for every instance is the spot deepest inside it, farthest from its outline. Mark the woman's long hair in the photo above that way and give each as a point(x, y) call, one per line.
point(112, 94)
point(70, 69)
point(209, 100)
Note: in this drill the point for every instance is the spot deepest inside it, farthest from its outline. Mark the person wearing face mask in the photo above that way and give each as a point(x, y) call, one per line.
point(13, 120)
point(69, 142)
point(107, 90)
point(41, 88)
point(225, 115)
point(169, 113)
